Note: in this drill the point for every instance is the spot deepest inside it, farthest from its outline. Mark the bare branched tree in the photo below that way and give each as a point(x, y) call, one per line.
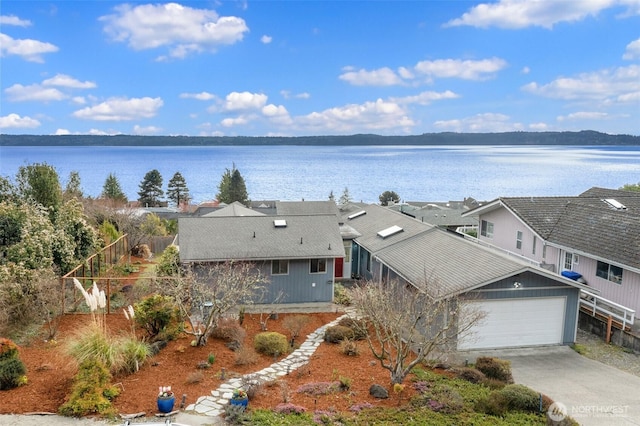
point(407, 325)
point(206, 294)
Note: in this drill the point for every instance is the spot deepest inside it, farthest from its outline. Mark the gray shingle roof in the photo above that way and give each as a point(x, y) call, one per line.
point(306, 207)
point(234, 209)
point(225, 238)
point(378, 218)
point(453, 264)
point(585, 223)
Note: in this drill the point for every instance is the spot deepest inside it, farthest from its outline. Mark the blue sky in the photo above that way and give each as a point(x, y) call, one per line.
point(292, 68)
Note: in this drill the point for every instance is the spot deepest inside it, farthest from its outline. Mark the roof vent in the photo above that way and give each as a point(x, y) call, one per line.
point(280, 223)
point(615, 204)
point(356, 214)
point(392, 230)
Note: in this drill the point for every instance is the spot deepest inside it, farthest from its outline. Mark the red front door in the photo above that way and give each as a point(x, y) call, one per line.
point(339, 262)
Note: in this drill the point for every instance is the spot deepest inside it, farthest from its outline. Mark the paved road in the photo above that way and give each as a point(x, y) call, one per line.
point(593, 393)
point(50, 420)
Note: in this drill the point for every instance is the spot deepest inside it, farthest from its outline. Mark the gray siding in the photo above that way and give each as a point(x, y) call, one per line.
point(299, 285)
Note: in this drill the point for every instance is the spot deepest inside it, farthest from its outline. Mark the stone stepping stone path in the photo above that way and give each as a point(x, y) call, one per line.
point(213, 405)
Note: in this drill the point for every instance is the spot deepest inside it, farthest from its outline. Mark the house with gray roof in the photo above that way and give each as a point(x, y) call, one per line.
point(297, 253)
point(593, 237)
point(524, 304)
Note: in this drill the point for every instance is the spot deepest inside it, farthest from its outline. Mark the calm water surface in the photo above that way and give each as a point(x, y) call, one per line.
point(312, 172)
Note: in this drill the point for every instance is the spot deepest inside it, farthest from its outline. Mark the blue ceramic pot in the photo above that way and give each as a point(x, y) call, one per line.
point(165, 404)
point(242, 402)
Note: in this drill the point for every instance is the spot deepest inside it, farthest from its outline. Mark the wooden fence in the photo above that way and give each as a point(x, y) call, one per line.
point(91, 270)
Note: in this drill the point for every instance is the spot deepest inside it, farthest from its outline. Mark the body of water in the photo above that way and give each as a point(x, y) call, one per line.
point(418, 173)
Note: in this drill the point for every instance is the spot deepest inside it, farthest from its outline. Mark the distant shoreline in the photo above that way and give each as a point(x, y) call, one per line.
point(585, 137)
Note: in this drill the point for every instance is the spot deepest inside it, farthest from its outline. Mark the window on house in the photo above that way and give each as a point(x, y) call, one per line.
point(279, 267)
point(568, 261)
point(486, 229)
point(368, 259)
point(544, 251)
point(609, 272)
point(533, 248)
point(518, 240)
point(347, 251)
point(318, 266)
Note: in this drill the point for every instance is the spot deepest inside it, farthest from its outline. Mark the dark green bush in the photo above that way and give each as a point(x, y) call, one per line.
point(90, 393)
point(338, 333)
point(271, 343)
point(358, 326)
point(12, 373)
point(495, 368)
point(159, 317)
point(510, 398)
point(8, 349)
point(470, 375)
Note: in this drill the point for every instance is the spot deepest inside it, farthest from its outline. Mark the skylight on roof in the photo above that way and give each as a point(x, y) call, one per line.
point(356, 214)
point(392, 230)
point(615, 204)
point(280, 223)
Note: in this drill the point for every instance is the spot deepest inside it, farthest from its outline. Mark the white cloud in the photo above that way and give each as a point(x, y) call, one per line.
point(14, 121)
point(380, 77)
point(632, 51)
point(79, 100)
point(287, 95)
point(202, 96)
point(538, 127)
point(237, 121)
point(514, 14)
point(29, 50)
point(33, 92)
point(464, 69)
point(180, 28)
point(60, 132)
point(486, 122)
point(265, 39)
point(370, 116)
point(148, 130)
point(244, 101)
point(608, 86)
point(121, 109)
point(63, 80)
point(277, 114)
point(525, 70)
point(583, 115)
point(14, 20)
point(425, 98)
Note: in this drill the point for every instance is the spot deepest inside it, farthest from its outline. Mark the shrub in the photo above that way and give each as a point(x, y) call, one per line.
point(12, 373)
point(495, 368)
point(246, 355)
point(510, 398)
point(349, 348)
point(159, 317)
point(271, 343)
point(289, 408)
point(441, 398)
point(90, 393)
point(295, 324)
point(229, 330)
point(341, 295)
point(358, 326)
point(92, 343)
point(470, 375)
point(319, 388)
point(195, 377)
point(8, 349)
point(337, 334)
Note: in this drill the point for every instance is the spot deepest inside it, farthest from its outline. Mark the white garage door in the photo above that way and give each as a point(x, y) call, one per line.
point(516, 322)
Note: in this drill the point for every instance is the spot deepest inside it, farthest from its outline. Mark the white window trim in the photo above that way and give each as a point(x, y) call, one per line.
point(318, 272)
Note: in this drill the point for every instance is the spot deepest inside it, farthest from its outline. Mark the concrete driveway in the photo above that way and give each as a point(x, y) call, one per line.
point(593, 393)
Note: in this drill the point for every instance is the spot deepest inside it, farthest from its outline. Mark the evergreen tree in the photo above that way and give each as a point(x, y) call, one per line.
point(345, 198)
point(232, 187)
point(151, 189)
point(73, 190)
point(112, 190)
point(177, 190)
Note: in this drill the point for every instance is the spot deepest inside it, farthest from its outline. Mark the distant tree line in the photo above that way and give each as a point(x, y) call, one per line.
point(585, 137)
